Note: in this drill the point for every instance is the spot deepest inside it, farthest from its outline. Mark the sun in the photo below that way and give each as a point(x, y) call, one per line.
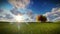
point(19, 18)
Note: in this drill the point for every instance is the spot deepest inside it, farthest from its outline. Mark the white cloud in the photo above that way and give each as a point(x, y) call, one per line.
point(19, 3)
point(53, 15)
point(20, 8)
point(57, 19)
point(28, 15)
point(6, 15)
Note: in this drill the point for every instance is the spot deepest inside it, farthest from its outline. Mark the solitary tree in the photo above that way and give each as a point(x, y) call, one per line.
point(41, 18)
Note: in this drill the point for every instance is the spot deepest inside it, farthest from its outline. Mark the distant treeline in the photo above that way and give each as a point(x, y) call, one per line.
point(29, 22)
point(4, 22)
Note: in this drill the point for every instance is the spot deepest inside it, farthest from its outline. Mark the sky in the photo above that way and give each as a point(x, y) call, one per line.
point(38, 6)
point(43, 6)
point(35, 6)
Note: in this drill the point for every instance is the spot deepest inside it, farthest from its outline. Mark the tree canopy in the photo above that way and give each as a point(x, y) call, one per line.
point(41, 18)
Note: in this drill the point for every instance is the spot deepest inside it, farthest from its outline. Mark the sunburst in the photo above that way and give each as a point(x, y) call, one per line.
point(19, 18)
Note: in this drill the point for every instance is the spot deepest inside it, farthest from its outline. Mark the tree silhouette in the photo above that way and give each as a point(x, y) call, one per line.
point(41, 18)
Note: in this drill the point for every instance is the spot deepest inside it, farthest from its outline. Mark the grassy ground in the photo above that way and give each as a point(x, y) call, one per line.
point(30, 28)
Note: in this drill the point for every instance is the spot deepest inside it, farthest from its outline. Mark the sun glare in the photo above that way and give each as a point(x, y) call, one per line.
point(19, 18)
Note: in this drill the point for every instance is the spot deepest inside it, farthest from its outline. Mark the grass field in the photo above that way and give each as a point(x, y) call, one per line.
point(30, 28)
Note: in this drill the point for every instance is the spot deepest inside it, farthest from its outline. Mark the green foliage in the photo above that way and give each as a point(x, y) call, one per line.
point(30, 28)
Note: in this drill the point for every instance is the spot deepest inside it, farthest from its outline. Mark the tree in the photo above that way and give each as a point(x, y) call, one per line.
point(41, 18)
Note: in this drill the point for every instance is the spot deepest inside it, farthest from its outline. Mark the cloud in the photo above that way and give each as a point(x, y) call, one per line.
point(1, 10)
point(19, 3)
point(28, 14)
point(22, 5)
point(20, 8)
point(31, 16)
point(15, 11)
point(6, 15)
point(57, 19)
point(53, 15)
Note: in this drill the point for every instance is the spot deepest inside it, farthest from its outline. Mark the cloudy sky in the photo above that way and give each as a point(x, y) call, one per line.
point(29, 9)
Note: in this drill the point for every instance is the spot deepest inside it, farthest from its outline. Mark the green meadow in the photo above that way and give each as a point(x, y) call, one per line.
point(30, 28)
